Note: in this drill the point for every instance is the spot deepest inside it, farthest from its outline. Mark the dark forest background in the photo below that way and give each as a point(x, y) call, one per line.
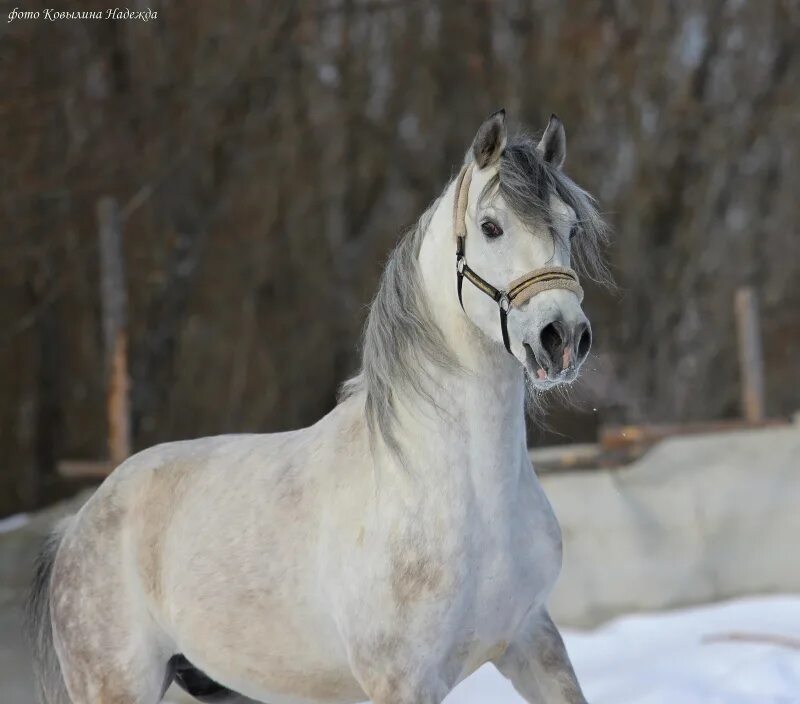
point(267, 156)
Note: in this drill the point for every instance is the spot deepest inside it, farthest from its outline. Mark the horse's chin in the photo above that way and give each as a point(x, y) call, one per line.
point(549, 382)
point(540, 377)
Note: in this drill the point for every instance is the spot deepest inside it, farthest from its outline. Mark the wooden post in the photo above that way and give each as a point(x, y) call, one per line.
point(114, 302)
point(751, 360)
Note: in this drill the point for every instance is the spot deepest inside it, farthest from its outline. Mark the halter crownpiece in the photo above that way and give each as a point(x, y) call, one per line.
point(519, 290)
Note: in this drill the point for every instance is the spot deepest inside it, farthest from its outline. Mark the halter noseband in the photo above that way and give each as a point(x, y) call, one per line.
point(519, 290)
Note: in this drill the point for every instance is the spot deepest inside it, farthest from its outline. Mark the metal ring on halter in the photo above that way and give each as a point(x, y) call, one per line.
point(504, 302)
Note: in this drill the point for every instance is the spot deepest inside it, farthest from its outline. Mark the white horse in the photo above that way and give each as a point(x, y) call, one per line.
point(395, 546)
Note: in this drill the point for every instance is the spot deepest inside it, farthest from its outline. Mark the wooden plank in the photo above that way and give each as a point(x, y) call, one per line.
point(616, 437)
point(621, 445)
point(751, 358)
point(85, 469)
point(566, 455)
point(114, 302)
point(569, 458)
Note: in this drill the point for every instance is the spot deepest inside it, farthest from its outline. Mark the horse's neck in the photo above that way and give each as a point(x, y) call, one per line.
point(482, 401)
point(469, 433)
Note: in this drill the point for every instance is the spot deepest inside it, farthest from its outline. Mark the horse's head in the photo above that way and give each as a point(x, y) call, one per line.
point(520, 218)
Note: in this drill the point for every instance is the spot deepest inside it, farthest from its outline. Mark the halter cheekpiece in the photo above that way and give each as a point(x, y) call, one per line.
point(519, 290)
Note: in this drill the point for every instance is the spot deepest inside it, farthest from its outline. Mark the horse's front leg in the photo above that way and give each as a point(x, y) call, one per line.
point(400, 685)
point(389, 674)
point(538, 665)
point(398, 692)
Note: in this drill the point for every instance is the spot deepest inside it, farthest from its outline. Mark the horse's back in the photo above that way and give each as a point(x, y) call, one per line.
point(213, 548)
point(138, 513)
point(225, 536)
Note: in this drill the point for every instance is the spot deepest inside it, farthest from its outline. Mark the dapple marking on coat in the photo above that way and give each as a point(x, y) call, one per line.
point(390, 549)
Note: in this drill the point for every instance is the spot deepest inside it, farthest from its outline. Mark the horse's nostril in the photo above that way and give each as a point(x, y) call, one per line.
point(552, 340)
point(584, 343)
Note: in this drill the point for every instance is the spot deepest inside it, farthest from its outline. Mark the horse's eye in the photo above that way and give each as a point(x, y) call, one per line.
point(491, 229)
point(573, 231)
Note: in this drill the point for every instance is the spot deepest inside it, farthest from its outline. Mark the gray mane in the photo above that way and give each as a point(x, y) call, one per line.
point(526, 183)
point(402, 344)
point(400, 337)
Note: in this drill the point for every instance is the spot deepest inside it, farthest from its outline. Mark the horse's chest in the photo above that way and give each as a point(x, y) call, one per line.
point(473, 575)
point(451, 589)
point(512, 568)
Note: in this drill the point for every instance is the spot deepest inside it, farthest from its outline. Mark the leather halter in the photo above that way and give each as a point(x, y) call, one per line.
point(519, 290)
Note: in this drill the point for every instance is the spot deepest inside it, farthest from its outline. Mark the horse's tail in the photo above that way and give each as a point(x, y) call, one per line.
point(47, 669)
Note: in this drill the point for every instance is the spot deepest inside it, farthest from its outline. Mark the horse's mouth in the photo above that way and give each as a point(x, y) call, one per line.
point(542, 374)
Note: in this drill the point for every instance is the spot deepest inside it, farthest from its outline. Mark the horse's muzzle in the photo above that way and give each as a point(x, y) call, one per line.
point(560, 348)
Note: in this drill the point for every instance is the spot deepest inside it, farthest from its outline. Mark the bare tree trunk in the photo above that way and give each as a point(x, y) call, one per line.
point(751, 358)
point(114, 301)
point(49, 416)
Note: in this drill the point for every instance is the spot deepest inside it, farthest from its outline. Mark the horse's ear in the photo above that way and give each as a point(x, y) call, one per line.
point(552, 146)
point(490, 140)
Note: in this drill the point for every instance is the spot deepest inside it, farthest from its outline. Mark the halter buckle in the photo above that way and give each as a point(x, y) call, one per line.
point(504, 302)
point(460, 263)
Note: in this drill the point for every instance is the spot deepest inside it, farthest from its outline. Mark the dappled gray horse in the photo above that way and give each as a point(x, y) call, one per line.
point(395, 546)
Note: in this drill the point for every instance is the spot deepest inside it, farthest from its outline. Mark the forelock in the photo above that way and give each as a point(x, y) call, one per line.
point(527, 183)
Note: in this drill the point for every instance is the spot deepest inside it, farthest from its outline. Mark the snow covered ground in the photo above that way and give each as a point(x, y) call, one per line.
point(738, 652)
